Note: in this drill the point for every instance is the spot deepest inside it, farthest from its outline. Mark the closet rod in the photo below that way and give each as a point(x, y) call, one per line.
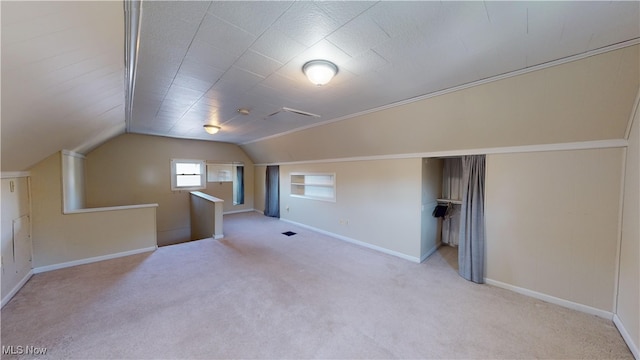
point(452, 201)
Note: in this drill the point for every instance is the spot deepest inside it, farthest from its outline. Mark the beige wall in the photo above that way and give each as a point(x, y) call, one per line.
point(259, 187)
point(135, 169)
point(206, 216)
point(377, 203)
point(584, 100)
point(59, 238)
point(552, 223)
point(628, 306)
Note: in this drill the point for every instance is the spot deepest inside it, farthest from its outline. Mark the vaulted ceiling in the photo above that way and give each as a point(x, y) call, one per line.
point(199, 62)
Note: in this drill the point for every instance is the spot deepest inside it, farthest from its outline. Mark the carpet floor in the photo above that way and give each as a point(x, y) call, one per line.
point(260, 294)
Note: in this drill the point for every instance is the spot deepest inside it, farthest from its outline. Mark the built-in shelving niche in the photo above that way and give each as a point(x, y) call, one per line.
point(316, 186)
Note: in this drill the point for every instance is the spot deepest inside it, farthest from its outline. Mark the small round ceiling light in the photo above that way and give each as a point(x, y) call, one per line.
point(211, 129)
point(320, 72)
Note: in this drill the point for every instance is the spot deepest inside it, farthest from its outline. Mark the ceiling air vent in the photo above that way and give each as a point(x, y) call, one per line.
point(294, 111)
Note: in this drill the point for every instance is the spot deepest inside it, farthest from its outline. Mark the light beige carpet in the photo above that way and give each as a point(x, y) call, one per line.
point(259, 294)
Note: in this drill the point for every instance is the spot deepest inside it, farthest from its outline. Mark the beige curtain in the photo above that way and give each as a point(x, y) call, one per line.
point(472, 235)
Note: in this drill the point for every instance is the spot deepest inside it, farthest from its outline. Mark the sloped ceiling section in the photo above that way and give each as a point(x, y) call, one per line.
point(585, 100)
point(62, 77)
point(199, 62)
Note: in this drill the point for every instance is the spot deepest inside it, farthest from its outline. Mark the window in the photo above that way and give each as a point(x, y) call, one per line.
point(187, 174)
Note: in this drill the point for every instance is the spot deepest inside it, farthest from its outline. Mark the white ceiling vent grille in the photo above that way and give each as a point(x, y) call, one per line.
point(294, 111)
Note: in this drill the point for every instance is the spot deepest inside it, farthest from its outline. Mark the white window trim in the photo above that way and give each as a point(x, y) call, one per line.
point(203, 175)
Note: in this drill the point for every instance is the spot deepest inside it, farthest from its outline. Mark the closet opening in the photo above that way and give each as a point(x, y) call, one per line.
point(453, 212)
point(448, 205)
point(447, 209)
point(442, 199)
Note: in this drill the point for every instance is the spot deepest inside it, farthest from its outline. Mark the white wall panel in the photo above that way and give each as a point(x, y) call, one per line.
point(628, 306)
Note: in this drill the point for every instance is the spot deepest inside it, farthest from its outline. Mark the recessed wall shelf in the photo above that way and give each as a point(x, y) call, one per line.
point(316, 186)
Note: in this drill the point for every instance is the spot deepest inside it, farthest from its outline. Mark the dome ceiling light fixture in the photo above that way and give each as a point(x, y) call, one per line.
point(319, 72)
point(211, 129)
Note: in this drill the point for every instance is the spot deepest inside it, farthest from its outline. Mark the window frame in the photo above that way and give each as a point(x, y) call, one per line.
point(174, 175)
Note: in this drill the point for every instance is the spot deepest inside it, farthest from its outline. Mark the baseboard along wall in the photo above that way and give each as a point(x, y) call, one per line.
point(626, 336)
point(46, 268)
point(237, 211)
point(430, 252)
point(16, 288)
point(552, 299)
point(357, 242)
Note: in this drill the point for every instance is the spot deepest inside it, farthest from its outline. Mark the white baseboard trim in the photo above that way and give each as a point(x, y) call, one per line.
point(429, 253)
point(626, 336)
point(16, 288)
point(237, 211)
point(552, 299)
point(356, 242)
point(218, 237)
point(258, 211)
point(46, 268)
point(14, 174)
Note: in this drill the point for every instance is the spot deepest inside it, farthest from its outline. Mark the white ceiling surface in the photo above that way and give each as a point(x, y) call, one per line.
point(198, 62)
point(62, 76)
